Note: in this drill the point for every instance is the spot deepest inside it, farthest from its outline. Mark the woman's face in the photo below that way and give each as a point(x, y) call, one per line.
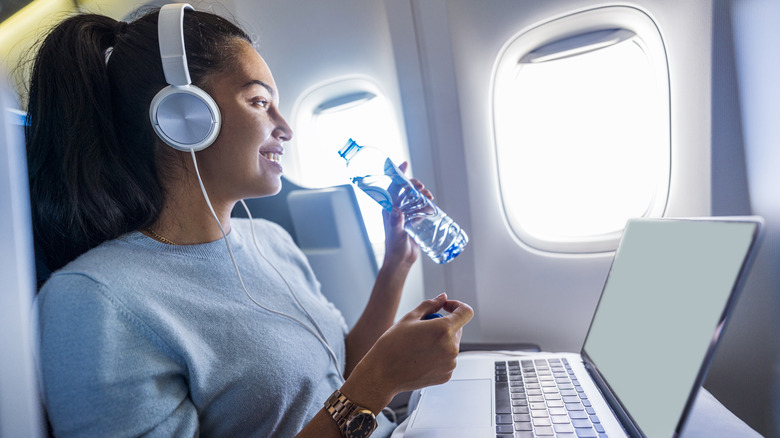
point(243, 162)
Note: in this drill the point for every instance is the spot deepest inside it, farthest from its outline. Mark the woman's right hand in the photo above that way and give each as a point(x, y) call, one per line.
point(412, 354)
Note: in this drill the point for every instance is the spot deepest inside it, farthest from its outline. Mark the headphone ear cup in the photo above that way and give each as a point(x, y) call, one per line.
point(185, 117)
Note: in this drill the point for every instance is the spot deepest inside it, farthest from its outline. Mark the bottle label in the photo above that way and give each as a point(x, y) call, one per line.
point(394, 172)
point(370, 185)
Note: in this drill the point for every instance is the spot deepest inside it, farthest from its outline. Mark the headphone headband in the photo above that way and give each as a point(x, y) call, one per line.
point(170, 32)
point(183, 116)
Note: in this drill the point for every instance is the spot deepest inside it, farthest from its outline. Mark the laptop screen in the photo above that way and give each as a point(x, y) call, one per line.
point(660, 309)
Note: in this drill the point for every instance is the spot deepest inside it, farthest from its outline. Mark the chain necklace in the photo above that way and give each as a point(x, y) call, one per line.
point(160, 238)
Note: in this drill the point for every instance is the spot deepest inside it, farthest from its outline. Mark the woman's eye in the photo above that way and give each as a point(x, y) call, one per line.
point(260, 102)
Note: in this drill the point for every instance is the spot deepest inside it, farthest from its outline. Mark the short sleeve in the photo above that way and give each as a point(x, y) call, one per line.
point(104, 372)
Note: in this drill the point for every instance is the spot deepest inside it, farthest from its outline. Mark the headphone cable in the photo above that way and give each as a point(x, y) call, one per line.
point(319, 336)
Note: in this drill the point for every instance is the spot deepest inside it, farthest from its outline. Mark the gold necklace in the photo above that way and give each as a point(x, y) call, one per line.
point(162, 239)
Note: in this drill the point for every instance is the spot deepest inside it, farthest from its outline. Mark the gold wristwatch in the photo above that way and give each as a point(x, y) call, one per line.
point(353, 420)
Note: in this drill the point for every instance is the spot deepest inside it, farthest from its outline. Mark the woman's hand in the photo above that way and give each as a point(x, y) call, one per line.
point(412, 354)
point(400, 253)
point(400, 249)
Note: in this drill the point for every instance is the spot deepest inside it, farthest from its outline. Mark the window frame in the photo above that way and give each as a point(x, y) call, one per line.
point(650, 40)
point(319, 99)
point(332, 95)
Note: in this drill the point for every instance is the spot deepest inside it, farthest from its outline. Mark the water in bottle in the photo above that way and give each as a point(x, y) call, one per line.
point(436, 233)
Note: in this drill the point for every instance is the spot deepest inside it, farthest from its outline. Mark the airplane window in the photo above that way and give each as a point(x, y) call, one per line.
point(323, 120)
point(582, 136)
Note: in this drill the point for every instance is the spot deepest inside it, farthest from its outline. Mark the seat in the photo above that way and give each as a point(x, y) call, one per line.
point(331, 233)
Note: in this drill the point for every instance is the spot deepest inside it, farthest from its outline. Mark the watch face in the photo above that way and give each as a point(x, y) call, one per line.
point(361, 425)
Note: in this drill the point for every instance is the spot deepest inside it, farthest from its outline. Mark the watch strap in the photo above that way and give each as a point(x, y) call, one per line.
point(341, 409)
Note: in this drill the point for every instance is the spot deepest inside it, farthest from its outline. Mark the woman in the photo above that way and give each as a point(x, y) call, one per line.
point(145, 326)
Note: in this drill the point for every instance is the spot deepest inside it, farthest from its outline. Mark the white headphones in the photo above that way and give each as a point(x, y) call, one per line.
point(183, 115)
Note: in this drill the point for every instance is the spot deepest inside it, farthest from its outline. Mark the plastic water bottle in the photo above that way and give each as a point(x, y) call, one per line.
point(437, 235)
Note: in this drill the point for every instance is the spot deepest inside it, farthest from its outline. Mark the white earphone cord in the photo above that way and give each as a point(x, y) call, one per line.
point(289, 288)
point(320, 336)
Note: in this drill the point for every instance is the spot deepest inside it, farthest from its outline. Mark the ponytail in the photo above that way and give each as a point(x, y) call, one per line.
point(85, 186)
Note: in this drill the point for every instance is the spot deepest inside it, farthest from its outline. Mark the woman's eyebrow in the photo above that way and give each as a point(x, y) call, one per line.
point(262, 84)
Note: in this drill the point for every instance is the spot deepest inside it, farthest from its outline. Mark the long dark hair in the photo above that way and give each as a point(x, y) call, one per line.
point(91, 150)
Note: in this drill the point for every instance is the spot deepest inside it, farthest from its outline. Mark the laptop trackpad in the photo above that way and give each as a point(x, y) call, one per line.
point(456, 404)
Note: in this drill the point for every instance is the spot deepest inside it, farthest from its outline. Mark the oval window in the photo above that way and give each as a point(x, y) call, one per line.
point(581, 123)
point(323, 119)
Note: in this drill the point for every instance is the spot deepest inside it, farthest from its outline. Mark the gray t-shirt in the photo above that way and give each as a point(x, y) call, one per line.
point(139, 337)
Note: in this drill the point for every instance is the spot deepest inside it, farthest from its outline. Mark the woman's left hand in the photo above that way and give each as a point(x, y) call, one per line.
point(400, 249)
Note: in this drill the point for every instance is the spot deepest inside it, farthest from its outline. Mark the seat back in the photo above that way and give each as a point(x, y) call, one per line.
point(331, 233)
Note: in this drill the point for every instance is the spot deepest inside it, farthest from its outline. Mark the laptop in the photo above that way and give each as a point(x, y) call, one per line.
point(670, 289)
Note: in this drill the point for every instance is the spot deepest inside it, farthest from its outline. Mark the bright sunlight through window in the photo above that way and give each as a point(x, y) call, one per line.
point(325, 119)
point(582, 144)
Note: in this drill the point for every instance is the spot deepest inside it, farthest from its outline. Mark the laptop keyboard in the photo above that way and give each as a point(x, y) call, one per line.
point(542, 398)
